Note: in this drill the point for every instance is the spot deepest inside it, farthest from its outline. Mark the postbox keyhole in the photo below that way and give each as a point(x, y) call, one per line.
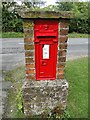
point(46, 27)
point(42, 45)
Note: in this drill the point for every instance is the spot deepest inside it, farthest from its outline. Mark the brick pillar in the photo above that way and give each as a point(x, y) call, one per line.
point(62, 48)
point(28, 27)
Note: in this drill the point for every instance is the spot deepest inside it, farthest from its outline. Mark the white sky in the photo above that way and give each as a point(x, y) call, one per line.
point(49, 2)
point(52, 2)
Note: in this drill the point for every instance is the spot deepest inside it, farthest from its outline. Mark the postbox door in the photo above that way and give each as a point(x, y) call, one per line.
point(46, 57)
point(46, 42)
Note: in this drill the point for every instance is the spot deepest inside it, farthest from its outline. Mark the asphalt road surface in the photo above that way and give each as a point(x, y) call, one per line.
point(13, 51)
point(77, 47)
point(12, 56)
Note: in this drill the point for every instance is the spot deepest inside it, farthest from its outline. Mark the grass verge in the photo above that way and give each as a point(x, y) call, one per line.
point(20, 35)
point(77, 75)
point(78, 35)
point(12, 35)
point(14, 102)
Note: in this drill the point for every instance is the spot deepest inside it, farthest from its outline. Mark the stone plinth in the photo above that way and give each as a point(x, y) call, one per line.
point(44, 96)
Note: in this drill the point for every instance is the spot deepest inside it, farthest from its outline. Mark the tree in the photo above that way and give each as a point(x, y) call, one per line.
point(10, 20)
point(34, 4)
point(80, 23)
point(64, 6)
point(80, 9)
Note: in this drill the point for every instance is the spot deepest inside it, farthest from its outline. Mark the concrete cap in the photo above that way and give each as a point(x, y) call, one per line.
point(46, 14)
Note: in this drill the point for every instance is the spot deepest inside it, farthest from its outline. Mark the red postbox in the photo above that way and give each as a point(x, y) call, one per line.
point(46, 47)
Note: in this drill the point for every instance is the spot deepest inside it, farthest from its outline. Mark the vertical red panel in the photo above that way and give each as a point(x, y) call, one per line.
point(46, 46)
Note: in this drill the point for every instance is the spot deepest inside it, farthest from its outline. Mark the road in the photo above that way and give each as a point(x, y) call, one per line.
point(12, 55)
point(77, 47)
point(13, 51)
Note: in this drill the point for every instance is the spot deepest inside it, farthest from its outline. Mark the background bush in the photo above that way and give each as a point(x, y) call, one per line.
point(11, 21)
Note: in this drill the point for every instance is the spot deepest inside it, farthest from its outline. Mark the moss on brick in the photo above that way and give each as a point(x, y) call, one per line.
point(28, 24)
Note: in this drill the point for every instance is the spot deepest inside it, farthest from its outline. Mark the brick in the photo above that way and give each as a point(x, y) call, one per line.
point(28, 40)
point(64, 24)
point(62, 53)
point(63, 39)
point(29, 54)
point(62, 59)
point(30, 71)
point(28, 30)
point(29, 47)
point(28, 33)
point(30, 77)
point(62, 46)
point(29, 60)
point(61, 66)
point(28, 66)
point(64, 32)
point(61, 72)
point(60, 76)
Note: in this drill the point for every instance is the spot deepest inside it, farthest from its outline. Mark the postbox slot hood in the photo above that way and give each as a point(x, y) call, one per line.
point(49, 36)
point(46, 34)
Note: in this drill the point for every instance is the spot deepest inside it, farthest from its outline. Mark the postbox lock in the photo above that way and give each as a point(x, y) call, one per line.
point(46, 27)
point(43, 62)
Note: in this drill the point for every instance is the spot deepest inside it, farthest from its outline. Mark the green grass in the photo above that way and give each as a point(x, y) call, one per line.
point(12, 35)
point(77, 76)
point(20, 35)
point(76, 73)
point(78, 35)
point(14, 103)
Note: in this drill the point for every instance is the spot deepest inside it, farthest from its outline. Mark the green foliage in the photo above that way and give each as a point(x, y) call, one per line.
point(80, 23)
point(64, 6)
point(11, 21)
point(12, 35)
point(34, 3)
point(64, 116)
point(14, 107)
point(79, 26)
point(77, 35)
point(50, 8)
point(19, 100)
point(10, 18)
